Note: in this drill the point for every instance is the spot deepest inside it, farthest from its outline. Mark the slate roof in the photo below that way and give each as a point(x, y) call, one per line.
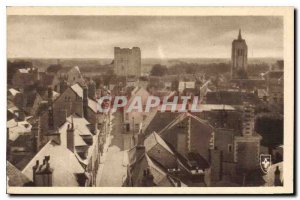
point(200, 131)
point(79, 91)
point(13, 91)
point(160, 177)
point(155, 139)
point(17, 128)
point(80, 129)
point(269, 177)
point(64, 163)
point(16, 177)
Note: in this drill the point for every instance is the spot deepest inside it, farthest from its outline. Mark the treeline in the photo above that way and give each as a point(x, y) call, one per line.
point(208, 68)
point(190, 68)
point(13, 66)
point(270, 127)
point(257, 69)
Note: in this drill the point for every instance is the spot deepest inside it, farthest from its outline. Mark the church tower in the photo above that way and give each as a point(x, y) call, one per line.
point(239, 58)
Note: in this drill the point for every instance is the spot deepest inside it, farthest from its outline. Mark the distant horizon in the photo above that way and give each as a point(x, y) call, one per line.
point(157, 36)
point(95, 58)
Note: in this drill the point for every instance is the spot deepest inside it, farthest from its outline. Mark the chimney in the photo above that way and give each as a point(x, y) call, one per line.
point(91, 89)
point(42, 174)
point(20, 115)
point(50, 95)
point(50, 118)
point(70, 136)
point(63, 85)
point(85, 101)
point(147, 180)
point(178, 183)
point(34, 169)
point(277, 181)
point(36, 134)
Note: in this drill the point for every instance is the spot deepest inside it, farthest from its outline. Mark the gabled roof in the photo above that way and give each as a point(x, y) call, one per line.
point(199, 131)
point(155, 139)
point(16, 177)
point(270, 176)
point(17, 128)
point(160, 177)
point(23, 141)
point(62, 161)
point(80, 129)
point(79, 91)
point(13, 91)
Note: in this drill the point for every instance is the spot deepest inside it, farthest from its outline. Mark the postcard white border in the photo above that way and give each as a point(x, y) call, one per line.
point(288, 164)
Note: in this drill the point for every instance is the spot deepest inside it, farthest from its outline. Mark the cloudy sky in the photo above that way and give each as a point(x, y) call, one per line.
point(158, 37)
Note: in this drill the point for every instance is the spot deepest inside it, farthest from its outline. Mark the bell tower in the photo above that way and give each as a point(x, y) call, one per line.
point(239, 56)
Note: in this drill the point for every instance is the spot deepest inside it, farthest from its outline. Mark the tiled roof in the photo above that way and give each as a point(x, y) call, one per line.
point(16, 177)
point(64, 163)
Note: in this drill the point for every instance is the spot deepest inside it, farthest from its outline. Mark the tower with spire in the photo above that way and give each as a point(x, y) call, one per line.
point(239, 56)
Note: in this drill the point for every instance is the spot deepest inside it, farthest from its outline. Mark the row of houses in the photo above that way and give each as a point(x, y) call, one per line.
point(59, 140)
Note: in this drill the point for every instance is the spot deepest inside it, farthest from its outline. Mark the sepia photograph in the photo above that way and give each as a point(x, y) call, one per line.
point(156, 100)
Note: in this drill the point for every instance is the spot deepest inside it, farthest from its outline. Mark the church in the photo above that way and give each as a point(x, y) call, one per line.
point(239, 58)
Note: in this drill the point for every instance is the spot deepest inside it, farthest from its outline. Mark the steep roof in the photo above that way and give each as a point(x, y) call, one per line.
point(62, 161)
point(155, 139)
point(17, 128)
point(198, 129)
point(13, 91)
point(270, 176)
point(80, 129)
point(79, 91)
point(16, 177)
point(160, 177)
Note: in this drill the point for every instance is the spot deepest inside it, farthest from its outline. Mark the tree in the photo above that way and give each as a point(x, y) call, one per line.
point(12, 67)
point(159, 70)
point(270, 127)
point(54, 68)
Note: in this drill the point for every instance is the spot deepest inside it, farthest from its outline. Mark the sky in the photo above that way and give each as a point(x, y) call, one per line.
point(158, 37)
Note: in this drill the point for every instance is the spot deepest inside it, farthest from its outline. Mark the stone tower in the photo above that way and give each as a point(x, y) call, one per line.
point(127, 62)
point(239, 58)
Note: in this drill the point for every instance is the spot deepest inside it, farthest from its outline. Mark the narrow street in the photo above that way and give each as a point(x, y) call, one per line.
point(113, 169)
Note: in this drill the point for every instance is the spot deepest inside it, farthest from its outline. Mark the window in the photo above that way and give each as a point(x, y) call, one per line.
point(229, 148)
